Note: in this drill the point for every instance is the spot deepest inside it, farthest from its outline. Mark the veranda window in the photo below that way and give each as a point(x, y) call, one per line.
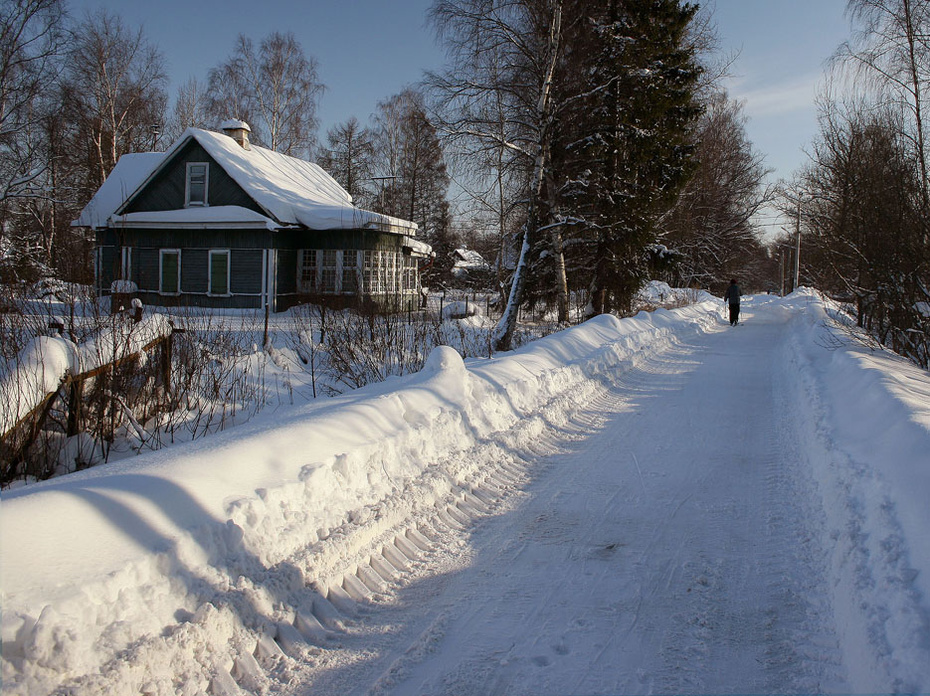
point(410, 274)
point(328, 267)
point(350, 271)
point(308, 282)
point(370, 273)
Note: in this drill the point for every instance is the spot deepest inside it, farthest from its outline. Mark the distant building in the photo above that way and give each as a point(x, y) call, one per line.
point(218, 222)
point(469, 265)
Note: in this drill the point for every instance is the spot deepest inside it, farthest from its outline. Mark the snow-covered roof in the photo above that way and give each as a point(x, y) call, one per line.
point(128, 174)
point(419, 248)
point(291, 191)
point(469, 258)
point(223, 215)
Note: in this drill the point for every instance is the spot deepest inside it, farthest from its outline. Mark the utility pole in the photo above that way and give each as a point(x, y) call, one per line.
point(797, 251)
point(781, 264)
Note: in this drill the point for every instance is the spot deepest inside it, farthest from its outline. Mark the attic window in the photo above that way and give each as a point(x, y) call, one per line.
point(197, 182)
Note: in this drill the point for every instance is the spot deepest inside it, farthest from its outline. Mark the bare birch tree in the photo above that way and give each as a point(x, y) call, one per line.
point(409, 164)
point(190, 110)
point(498, 98)
point(274, 88)
point(348, 157)
point(892, 50)
point(32, 36)
point(31, 45)
point(710, 228)
point(113, 93)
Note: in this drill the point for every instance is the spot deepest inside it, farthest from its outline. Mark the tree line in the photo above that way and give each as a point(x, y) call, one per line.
point(590, 142)
point(862, 204)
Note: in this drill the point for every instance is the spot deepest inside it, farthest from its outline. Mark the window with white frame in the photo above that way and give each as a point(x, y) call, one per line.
point(307, 271)
point(410, 274)
point(195, 190)
point(370, 273)
point(169, 271)
point(219, 272)
point(390, 271)
point(350, 271)
point(329, 266)
point(385, 272)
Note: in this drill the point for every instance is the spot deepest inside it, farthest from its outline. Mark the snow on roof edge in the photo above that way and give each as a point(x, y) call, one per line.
point(130, 173)
point(289, 190)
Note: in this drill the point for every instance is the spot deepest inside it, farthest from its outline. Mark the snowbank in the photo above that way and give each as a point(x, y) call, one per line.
point(182, 570)
point(192, 555)
point(46, 360)
point(37, 371)
point(863, 422)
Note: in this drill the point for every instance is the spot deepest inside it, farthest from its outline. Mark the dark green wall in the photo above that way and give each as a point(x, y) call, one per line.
point(166, 190)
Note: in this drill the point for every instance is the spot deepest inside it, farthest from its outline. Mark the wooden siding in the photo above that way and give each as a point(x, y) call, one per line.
point(245, 266)
point(166, 190)
point(197, 239)
point(287, 272)
point(245, 271)
point(194, 271)
point(108, 268)
point(362, 240)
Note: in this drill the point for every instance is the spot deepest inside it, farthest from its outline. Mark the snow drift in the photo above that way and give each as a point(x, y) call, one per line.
point(195, 569)
point(109, 571)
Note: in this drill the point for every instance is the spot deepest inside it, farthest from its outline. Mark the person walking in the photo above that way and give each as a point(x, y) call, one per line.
point(732, 298)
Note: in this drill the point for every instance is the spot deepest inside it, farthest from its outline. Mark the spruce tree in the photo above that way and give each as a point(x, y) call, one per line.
point(625, 146)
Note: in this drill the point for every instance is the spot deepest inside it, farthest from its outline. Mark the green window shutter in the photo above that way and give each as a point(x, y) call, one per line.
point(219, 272)
point(170, 266)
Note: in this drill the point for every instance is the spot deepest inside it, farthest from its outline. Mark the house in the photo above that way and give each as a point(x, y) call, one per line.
point(469, 266)
point(218, 222)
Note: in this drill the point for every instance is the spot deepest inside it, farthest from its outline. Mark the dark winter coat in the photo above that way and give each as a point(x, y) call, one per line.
point(733, 294)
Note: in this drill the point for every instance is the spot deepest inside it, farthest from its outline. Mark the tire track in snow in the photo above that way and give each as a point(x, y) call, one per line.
point(629, 564)
point(686, 602)
point(434, 546)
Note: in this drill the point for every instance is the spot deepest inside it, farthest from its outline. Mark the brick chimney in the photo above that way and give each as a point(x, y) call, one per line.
point(238, 131)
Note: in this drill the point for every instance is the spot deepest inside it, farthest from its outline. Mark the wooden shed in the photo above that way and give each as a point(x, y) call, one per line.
point(218, 222)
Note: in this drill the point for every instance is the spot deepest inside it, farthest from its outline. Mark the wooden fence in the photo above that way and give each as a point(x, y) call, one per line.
point(20, 435)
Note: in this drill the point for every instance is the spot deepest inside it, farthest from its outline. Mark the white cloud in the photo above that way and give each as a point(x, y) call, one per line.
point(793, 95)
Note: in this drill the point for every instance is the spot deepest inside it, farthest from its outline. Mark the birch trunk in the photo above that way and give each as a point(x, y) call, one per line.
point(502, 336)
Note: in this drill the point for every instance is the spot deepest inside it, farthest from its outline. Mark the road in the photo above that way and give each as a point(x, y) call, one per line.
point(666, 539)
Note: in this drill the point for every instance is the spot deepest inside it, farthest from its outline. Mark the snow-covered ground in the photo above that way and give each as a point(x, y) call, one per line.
point(658, 504)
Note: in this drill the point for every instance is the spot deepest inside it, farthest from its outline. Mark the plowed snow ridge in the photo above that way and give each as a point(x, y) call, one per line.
point(660, 504)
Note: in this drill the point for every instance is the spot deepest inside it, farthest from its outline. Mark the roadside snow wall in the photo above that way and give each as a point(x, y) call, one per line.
point(173, 572)
point(862, 423)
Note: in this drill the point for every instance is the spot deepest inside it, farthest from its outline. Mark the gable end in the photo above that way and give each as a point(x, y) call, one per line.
point(167, 188)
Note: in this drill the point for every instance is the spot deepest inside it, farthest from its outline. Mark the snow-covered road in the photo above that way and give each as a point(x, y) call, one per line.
point(662, 504)
point(667, 542)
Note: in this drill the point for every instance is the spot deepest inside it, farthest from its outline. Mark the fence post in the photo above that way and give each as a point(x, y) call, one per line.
point(265, 336)
point(166, 354)
point(75, 399)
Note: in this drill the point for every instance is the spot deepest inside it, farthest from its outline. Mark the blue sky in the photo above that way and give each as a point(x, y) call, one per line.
point(370, 49)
